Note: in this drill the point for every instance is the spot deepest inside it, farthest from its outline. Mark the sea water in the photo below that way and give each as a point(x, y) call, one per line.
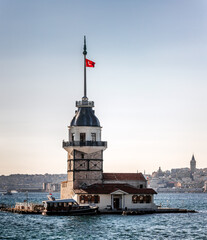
point(151, 226)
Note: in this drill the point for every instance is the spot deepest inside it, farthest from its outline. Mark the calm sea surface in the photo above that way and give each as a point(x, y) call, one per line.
point(154, 226)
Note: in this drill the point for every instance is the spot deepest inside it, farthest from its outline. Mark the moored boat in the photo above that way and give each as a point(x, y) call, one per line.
point(7, 193)
point(67, 207)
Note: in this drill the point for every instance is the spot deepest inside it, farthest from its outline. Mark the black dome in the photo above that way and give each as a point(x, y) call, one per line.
point(85, 117)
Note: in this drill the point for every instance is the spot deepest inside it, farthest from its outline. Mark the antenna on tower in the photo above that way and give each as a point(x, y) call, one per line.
point(85, 53)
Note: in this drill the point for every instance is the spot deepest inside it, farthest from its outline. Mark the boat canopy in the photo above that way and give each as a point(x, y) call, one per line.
point(69, 200)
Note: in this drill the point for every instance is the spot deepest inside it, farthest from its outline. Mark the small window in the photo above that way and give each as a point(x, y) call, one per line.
point(82, 137)
point(141, 199)
point(96, 199)
point(73, 137)
point(134, 199)
point(93, 137)
point(82, 155)
point(82, 200)
point(89, 198)
point(148, 199)
point(141, 186)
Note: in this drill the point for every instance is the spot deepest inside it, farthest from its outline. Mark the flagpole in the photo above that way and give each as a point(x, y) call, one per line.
point(84, 53)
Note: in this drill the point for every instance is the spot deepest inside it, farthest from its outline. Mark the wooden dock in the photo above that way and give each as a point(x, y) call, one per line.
point(147, 211)
point(157, 211)
point(37, 209)
point(13, 210)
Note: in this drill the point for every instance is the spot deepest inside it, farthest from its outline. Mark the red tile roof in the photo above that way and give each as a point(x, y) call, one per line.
point(123, 176)
point(110, 188)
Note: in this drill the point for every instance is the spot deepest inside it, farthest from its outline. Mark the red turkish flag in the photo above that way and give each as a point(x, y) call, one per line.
point(90, 63)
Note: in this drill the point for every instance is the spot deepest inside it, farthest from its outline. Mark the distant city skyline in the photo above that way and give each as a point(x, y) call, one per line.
point(149, 82)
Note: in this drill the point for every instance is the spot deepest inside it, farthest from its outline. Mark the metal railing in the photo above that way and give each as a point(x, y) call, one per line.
point(84, 104)
point(85, 144)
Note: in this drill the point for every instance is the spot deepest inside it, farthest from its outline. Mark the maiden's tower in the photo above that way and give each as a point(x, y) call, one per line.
point(86, 182)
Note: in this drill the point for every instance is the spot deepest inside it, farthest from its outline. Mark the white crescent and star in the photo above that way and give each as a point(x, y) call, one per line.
point(90, 63)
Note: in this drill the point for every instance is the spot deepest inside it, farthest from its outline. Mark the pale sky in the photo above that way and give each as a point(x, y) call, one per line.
point(149, 84)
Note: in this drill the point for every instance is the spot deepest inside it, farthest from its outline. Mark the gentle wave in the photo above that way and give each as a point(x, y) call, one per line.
point(154, 226)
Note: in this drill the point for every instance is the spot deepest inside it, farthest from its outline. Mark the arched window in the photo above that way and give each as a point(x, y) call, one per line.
point(96, 199)
point(89, 198)
point(134, 198)
point(82, 199)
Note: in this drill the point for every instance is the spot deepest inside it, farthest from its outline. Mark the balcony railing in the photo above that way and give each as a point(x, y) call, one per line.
point(84, 144)
point(84, 104)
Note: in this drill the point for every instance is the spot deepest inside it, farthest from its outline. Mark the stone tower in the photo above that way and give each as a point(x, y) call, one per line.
point(193, 164)
point(84, 146)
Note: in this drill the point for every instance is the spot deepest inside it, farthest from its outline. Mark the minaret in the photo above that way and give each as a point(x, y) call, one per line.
point(193, 164)
point(84, 146)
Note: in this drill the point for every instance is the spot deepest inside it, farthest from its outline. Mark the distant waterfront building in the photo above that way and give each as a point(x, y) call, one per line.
point(159, 173)
point(44, 186)
point(205, 186)
point(180, 173)
point(193, 164)
point(86, 182)
point(51, 187)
